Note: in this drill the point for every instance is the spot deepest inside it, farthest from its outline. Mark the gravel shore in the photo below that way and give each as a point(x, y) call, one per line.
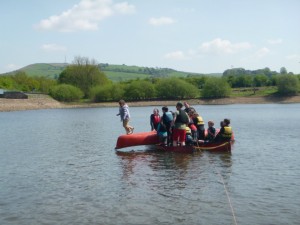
point(39, 101)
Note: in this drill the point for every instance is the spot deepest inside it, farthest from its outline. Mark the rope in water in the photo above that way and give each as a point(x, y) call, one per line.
point(228, 198)
point(226, 191)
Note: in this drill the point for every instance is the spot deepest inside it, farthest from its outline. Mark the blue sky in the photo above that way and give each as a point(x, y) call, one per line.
point(187, 35)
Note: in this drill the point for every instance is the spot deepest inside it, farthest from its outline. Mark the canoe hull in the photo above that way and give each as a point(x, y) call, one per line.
point(177, 149)
point(151, 138)
point(211, 147)
point(136, 139)
point(215, 147)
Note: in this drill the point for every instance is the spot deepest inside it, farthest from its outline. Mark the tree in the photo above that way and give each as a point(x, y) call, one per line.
point(173, 88)
point(140, 89)
point(107, 92)
point(283, 70)
point(6, 82)
point(84, 74)
point(260, 80)
point(287, 85)
point(216, 87)
point(24, 83)
point(45, 84)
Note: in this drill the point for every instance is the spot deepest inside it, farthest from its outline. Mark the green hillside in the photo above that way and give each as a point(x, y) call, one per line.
point(50, 70)
point(113, 72)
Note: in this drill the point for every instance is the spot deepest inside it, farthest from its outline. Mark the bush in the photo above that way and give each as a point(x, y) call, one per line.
point(140, 90)
point(216, 87)
point(287, 85)
point(175, 88)
point(66, 93)
point(107, 92)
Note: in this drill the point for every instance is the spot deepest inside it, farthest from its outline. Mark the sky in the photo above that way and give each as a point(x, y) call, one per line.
point(201, 36)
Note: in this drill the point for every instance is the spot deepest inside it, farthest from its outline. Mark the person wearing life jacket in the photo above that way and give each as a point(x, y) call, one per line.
point(154, 119)
point(180, 121)
point(193, 126)
point(225, 132)
point(162, 134)
point(166, 120)
point(199, 122)
point(188, 136)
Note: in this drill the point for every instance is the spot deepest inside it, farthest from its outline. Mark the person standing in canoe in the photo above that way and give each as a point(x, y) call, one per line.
point(180, 121)
point(166, 121)
point(188, 108)
point(125, 116)
point(154, 119)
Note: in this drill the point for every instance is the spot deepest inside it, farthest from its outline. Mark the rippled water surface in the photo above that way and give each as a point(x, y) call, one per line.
point(60, 167)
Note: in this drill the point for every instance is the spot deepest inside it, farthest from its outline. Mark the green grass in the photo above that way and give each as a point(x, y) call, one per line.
point(248, 92)
point(121, 76)
point(45, 70)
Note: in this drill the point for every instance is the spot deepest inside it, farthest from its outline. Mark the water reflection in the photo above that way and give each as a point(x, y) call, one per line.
point(167, 170)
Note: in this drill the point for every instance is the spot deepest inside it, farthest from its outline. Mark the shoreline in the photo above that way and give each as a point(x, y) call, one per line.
point(36, 102)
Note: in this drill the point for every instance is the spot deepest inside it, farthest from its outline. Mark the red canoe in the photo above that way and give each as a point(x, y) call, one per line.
point(151, 138)
point(211, 147)
point(136, 139)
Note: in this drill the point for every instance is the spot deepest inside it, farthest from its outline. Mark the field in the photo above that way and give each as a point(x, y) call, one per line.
point(249, 92)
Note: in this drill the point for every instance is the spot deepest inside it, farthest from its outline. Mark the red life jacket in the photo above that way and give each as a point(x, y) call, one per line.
point(156, 119)
point(193, 127)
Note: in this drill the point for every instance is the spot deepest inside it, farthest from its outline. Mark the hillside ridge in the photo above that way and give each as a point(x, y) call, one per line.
point(114, 72)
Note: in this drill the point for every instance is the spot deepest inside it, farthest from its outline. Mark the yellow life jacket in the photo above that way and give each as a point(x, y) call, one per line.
point(188, 130)
point(200, 120)
point(227, 132)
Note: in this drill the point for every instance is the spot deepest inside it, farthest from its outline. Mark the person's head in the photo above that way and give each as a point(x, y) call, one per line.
point(165, 109)
point(193, 113)
point(222, 124)
point(211, 123)
point(186, 105)
point(122, 102)
point(179, 105)
point(226, 122)
point(155, 111)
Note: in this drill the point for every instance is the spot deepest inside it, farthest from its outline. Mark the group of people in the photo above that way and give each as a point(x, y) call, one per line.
point(183, 127)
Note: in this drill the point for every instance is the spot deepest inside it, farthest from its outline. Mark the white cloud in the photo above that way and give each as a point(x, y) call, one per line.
point(124, 8)
point(161, 21)
point(176, 55)
point(293, 57)
point(262, 52)
point(54, 48)
point(275, 41)
point(84, 16)
point(220, 46)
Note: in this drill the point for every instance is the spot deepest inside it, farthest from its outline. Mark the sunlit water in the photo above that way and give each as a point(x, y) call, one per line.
point(60, 167)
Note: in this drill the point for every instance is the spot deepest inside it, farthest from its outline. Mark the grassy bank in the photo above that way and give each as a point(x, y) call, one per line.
point(35, 102)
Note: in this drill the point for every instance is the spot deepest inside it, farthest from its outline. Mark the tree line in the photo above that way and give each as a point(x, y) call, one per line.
point(84, 80)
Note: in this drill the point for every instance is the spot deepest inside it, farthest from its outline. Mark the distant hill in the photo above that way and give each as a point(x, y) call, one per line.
point(113, 72)
point(50, 70)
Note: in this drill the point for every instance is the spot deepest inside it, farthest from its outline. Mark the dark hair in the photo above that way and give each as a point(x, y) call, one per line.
point(227, 121)
point(165, 108)
point(179, 104)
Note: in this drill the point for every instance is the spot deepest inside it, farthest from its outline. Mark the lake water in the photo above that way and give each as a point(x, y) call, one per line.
point(59, 166)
